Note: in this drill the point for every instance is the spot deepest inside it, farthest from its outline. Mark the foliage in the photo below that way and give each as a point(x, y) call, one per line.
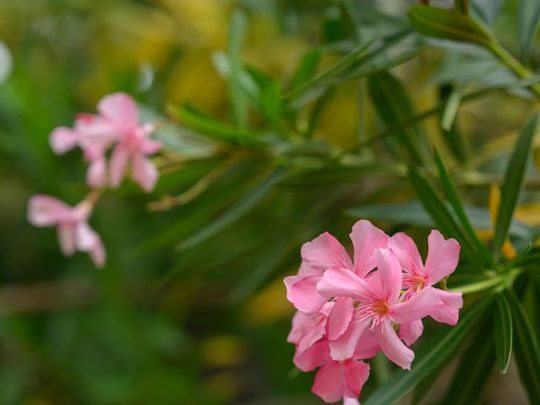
point(281, 120)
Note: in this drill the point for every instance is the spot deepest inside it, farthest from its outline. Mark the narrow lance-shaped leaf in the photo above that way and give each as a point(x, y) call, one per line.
point(449, 94)
point(503, 333)
point(455, 201)
point(236, 212)
point(215, 129)
point(528, 20)
point(437, 354)
point(237, 30)
point(414, 214)
point(526, 349)
point(513, 183)
point(393, 105)
point(462, 6)
point(447, 24)
point(306, 68)
point(475, 367)
point(440, 214)
point(486, 10)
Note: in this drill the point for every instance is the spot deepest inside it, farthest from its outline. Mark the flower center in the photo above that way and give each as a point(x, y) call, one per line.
point(381, 308)
point(415, 283)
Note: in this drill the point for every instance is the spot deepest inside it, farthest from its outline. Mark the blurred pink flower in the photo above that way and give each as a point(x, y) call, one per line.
point(117, 122)
point(134, 143)
point(74, 233)
point(94, 136)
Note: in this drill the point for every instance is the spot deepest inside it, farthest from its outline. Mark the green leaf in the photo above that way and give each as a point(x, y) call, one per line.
point(531, 255)
point(392, 105)
point(453, 136)
point(344, 63)
point(474, 369)
point(378, 66)
point(235, 212)
point(306, 68)
point(526, 349)
point(513, 183)
point(413, 213)
point(351, 15)
point(528, 19)
point(440, 214)
point(447, 24)
point(213, 128)
point(462, 6)
point(237, 32)
point(438, 352)
point(455, 201)
point(331, 175)
point(450, 110)
point(354, 61)
point(271, 102)
point(503, 333)
point(486, 10)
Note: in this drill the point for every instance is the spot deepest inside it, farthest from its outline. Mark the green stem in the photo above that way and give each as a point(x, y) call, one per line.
point(462, 6)
point(513, 64)
point(501, 281)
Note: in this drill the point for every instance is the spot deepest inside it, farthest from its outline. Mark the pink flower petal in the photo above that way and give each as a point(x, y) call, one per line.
point(411, 331)
point(340, 317)
point(452, 303)
point(345, 283)
point(312, 357)
point(393, 347)
point(63, 139)
point(96, 175)
point(366, 240)
point(356, 374)
point(391, 277)
point(345, 346)
point(150, 146)
point(144, 173)
point(67, 237)
point(420, 305)
point(325, 252)
point(329, 384)
point(120, 109)
point(368, 346)
point(407, 253)
point(307, 270)
point(89, 241)
point(442, 258)
point(118, 165)
point(98, 255)
point(312, 335)
point(302, 293)
point(44, 210)
point(350, 401)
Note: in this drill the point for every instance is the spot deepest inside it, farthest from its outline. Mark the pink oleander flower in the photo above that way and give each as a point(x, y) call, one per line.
point(325, 252)
point(348, 310)
point(380, 305)
point(93, 135)
point(134, 143)
point(336, 380)
point(117, 122)
point(74, 233)
point(442, 259)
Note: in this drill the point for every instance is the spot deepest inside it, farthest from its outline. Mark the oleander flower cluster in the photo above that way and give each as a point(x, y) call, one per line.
point(115, 130)
point(350, 309)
